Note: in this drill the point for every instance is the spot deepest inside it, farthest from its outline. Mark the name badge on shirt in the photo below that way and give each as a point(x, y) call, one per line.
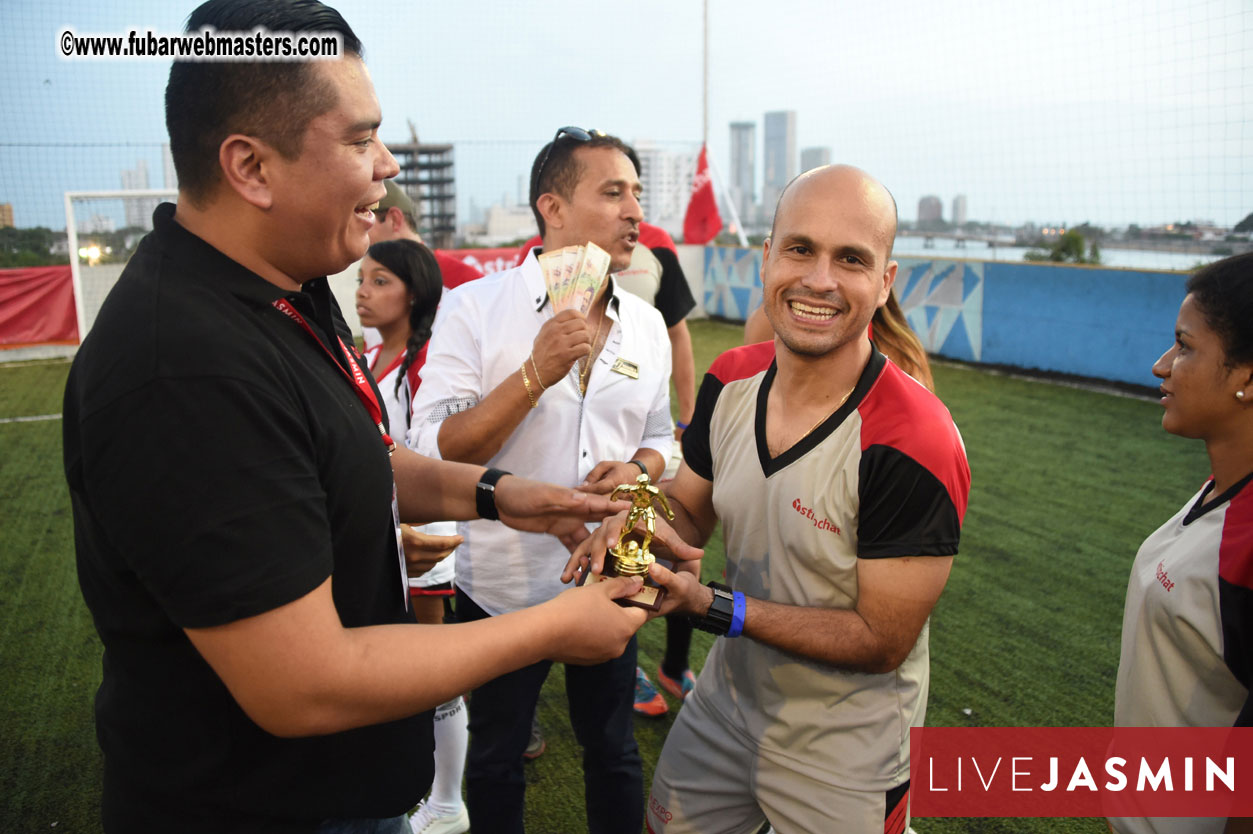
point(626, 368)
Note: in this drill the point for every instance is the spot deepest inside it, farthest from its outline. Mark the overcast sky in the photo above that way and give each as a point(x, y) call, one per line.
point(1112, 111)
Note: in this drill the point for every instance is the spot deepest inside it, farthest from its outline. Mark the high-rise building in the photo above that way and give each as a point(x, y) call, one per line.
point(168, 174)
point(930, 211)
point(959, 210)
point(6, 216)
point(667, 179)
point(138, 210)
point(744, 169)
point(812, 158)
point(778, 156)
point(428, 176)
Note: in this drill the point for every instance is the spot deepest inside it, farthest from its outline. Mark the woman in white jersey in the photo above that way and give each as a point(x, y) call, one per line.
point(1187, 635)
point(398, 291)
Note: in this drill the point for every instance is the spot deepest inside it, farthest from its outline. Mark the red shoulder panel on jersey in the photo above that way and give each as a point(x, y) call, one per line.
point(742, 362)
point(655, 236)
point(1235, 553)
point(900, 412)
point(455, 272)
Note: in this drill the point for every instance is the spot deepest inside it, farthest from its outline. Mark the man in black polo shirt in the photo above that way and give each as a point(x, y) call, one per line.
point(233, 501)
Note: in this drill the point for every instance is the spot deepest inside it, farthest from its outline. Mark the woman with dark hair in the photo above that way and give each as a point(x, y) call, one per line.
point(1187, 633)
point(398, 291)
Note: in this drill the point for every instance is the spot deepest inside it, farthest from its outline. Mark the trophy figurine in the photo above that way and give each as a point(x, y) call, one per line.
point(630, 557)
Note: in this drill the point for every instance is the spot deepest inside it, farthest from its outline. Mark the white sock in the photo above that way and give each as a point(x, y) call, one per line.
point(452, 735)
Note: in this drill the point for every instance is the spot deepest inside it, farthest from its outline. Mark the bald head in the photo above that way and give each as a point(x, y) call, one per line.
point(852, 188)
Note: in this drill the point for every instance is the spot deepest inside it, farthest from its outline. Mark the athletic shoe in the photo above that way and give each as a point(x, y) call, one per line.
point(536, 746)
point(648, 701)
point(424, 821)
point(677, 688)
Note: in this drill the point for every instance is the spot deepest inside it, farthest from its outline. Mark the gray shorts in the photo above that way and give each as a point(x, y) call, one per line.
point(708, 781)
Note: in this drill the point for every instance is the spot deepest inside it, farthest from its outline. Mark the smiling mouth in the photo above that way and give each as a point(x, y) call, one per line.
point(809, 313)
point(368, 211)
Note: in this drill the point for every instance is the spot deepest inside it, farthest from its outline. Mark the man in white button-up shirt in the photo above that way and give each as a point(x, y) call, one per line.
point(564, 398)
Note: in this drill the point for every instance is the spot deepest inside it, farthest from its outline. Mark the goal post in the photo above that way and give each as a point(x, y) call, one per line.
point(92, 282)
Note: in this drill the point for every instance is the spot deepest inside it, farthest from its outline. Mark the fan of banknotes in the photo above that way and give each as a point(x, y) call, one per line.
point(573, 275)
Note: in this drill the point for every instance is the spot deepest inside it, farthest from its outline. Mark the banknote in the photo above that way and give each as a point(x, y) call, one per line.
point(550, 264)
point(591, 272)
point(573, 275)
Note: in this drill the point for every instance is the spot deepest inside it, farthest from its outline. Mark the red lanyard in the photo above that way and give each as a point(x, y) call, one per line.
point(357, 378)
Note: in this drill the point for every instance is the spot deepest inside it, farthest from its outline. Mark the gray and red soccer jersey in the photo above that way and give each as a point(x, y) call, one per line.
point(884, 476)
point(1187, 631)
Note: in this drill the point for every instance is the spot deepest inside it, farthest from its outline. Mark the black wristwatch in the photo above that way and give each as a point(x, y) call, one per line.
point(717, 619)
point(485, 494)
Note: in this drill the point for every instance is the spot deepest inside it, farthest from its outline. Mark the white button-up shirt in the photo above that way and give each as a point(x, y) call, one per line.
point(482, 333)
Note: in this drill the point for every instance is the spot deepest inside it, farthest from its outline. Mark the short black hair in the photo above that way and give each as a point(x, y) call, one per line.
point(562, 169)
point(274, 101)
point(1223, 290)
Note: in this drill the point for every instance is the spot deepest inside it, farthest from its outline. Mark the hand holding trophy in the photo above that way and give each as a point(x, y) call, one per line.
point(631, 557)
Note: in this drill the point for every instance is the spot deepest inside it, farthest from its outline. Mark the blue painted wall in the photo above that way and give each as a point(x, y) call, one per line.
point(1103, 323)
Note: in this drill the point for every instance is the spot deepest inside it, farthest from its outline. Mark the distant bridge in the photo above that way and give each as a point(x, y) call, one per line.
point(962, 238)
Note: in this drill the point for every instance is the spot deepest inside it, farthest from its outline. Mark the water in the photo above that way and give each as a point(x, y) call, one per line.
point(912, 247)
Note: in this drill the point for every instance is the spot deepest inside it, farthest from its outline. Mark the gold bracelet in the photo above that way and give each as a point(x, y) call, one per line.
point(538, 381)
point(527, 383)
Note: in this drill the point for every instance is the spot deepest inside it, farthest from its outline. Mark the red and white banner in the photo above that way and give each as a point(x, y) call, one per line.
point(37, 306)
point(702, 222)
point(486, 261)
point(1081, 771)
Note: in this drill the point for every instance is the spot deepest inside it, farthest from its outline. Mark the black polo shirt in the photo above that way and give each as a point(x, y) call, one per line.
point(220, 465)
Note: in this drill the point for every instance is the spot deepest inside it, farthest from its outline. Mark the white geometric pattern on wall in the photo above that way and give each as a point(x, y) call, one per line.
point(943, 302)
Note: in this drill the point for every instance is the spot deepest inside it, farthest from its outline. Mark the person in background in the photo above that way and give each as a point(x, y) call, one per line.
point(581, 400)
point(1187, 630)
point(656, 276)
point(398, 292)
point(396, 218)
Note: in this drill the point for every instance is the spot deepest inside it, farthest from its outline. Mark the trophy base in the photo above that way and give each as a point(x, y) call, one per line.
point(649, 597)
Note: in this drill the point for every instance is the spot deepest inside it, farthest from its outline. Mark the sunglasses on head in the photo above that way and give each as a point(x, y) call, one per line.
point(578, 134)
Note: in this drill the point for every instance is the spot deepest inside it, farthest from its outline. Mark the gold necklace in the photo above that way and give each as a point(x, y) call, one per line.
point(587, 363)
point(821, 420)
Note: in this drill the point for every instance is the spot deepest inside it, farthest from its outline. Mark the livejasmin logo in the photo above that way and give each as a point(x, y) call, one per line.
point(1081, 771)
point(1021, 768)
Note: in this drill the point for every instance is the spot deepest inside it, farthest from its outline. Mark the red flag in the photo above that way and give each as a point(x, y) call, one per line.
point(702, 222)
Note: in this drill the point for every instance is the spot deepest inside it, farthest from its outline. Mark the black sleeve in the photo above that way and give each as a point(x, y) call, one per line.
point(905, 509)
point(1235, 604)
point(695, 441)
point(674, 298)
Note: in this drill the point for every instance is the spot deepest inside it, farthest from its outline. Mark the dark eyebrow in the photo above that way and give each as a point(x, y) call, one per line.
point(621, 183)
point(865, 255)
point(364, 126)
point(792, 238)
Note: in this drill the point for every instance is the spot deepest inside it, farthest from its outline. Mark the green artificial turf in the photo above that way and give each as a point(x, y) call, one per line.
point(1065, 484)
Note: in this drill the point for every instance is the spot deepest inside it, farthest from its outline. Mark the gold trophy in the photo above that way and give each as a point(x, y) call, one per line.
point(631, 557)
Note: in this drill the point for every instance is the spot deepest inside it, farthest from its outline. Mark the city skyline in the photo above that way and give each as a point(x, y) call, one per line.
point(1122, 116)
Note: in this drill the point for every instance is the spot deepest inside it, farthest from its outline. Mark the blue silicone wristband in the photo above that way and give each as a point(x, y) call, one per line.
point(737, 615)
point(681, 425)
